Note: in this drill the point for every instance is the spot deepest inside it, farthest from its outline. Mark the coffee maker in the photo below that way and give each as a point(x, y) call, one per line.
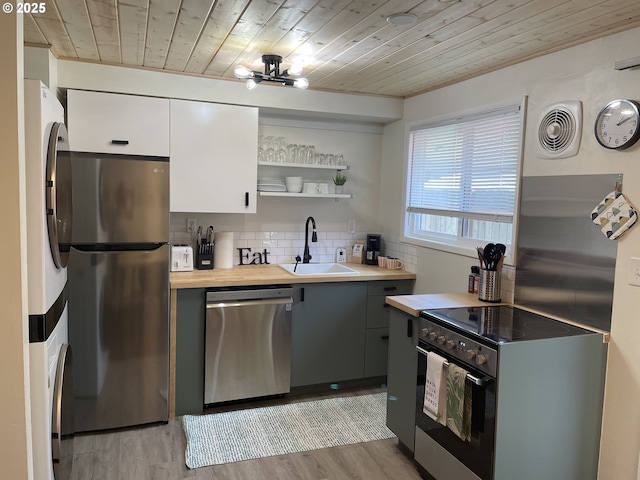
point(373, 248)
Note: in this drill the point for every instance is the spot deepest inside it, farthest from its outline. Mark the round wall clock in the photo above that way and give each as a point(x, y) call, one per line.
point(618, 124)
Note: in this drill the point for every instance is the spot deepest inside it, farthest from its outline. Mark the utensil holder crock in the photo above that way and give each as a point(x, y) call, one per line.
point(489, 286)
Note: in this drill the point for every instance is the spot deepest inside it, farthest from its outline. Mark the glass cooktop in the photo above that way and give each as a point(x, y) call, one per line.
point(504, 323)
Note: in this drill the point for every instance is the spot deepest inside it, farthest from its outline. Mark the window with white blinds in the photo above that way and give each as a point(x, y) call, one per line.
point(463, 174)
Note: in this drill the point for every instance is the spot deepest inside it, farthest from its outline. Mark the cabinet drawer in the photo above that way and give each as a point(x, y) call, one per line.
point(377, 312)
point(390, 287)
point(376, 352)
point(113, 123)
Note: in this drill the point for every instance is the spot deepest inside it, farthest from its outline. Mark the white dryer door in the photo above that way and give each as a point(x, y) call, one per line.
point(58, 194)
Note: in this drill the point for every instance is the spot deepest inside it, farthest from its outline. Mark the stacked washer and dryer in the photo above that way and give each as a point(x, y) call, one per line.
point(48, 192)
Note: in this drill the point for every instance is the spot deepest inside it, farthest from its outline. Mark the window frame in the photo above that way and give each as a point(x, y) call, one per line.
point(462, 246)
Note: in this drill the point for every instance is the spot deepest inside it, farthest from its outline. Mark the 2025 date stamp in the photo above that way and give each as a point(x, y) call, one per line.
point(27, 7)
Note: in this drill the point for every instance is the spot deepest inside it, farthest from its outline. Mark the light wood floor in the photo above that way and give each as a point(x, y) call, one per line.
point(157, 453)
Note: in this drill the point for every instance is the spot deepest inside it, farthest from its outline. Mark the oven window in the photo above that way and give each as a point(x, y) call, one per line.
point(477, 454)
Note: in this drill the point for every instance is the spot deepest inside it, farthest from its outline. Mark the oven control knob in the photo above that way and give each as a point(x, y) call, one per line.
point(481, 359)
point(433, 336)
point(441, 340)
point(451, 344)
point(470, 354)
point(425, 332)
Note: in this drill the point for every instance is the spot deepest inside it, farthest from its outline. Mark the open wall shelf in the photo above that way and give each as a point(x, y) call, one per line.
point(306, 195)
point(304, 165)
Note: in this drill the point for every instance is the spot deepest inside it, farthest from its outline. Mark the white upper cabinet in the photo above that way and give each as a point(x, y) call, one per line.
point(214, 151)
point(114, 123)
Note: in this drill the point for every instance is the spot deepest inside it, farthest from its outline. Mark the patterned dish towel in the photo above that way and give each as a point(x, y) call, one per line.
point(614, 215)
point(435, 388)
point(458, 402)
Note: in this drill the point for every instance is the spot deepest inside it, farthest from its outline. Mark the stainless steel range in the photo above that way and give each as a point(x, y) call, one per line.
point(537, 392)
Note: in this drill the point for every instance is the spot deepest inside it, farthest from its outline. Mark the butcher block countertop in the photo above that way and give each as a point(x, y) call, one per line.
point(273, 274)
point(414, 304)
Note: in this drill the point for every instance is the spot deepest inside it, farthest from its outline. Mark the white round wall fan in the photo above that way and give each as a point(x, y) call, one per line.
point(559, 130)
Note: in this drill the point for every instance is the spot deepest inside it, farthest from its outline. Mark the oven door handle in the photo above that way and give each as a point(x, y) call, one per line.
point(472, 378)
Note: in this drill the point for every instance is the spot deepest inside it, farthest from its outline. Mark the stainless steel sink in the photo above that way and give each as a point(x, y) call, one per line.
point(328, 269)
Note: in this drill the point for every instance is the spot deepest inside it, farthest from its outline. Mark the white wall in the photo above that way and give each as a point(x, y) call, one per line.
point(15, 421)
point(274, 98)
point(40, 64)
point(584, 73)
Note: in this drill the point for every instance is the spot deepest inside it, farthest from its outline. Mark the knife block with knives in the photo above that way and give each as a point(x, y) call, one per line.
point(204, 250)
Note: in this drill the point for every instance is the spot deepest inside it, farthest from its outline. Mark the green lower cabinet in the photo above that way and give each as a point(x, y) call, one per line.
point(340, 331)
point(190, 351)
point(376, 352)
point(377, 348)
point(328, 333)
point(401, 376)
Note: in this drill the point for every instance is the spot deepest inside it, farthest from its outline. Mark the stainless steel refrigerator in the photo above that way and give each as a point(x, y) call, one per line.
point(118, 279)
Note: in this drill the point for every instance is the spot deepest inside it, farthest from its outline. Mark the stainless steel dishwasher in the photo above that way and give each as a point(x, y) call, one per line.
point(247, 343)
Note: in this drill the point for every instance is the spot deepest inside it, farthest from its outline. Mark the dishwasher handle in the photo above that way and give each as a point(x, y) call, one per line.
point(248, 303)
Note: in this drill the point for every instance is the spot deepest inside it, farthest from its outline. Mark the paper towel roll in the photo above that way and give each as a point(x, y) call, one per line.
point(223, 250)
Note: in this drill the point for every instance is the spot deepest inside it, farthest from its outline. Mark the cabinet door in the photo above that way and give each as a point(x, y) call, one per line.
point(114, 123)
point(377, 352)
point(328, 333)
point(189, 370)
point(214, 151)
point(401, 376)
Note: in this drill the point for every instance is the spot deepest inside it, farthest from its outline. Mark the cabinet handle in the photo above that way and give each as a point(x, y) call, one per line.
point(302, 294)
point(409, 327)
point(385, 337)
point(246, 199)
point(390, 289)
point(119, 142)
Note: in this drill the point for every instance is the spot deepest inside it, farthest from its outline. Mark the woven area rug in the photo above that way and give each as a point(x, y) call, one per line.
point(297, 427)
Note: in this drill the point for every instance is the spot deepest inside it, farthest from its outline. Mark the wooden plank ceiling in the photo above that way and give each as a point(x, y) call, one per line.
point(346, 45)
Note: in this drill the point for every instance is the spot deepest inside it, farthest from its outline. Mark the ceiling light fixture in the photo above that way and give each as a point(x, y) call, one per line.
point(272, 73)
point(401, 19)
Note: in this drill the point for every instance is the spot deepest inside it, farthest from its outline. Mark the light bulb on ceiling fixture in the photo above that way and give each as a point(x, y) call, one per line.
point(240, 71)
point(251, 84)
point(301, 83)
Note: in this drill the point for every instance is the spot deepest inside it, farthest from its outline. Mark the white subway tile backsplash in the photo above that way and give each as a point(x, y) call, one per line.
point(283, 246)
